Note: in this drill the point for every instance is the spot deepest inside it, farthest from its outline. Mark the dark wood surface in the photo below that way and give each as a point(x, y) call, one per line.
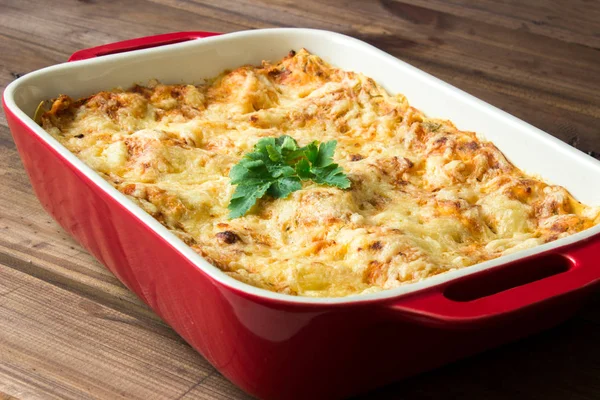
point(69, 329)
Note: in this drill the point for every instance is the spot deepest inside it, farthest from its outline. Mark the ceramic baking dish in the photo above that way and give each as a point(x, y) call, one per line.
point(279, 346)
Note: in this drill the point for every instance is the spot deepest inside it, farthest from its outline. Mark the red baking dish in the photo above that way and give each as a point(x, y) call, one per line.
point(278, 346)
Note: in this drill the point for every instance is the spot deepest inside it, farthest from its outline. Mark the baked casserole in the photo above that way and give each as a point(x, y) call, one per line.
point(424, 198)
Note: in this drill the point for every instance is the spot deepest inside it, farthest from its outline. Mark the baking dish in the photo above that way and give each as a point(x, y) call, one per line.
point(278, 346)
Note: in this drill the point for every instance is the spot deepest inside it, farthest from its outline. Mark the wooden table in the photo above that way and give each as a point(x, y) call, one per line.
point(69, 329)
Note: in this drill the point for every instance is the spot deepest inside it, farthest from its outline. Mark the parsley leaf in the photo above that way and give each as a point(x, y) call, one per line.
point(277, 167)
point(325, 154)
point(281, 188)
point(303, 169)
point(245, 196)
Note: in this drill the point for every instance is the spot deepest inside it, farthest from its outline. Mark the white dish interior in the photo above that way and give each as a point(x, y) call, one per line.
point(529, 148)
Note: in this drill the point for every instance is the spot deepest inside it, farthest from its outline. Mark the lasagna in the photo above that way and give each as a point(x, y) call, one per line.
point(425, 197)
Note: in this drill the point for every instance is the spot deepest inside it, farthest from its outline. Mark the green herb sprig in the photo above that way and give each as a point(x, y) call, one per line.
point(277, 167)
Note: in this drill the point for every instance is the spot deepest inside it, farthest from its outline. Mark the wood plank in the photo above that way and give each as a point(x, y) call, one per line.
point(215, 387)
point(65, 28)
point(58, 344)
point(554, 19)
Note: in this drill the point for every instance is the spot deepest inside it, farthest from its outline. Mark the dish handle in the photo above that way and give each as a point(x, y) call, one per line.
point(487, 297)
point(139, 43)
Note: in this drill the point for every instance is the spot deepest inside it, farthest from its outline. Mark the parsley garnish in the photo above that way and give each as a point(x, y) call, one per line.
point(277, 167)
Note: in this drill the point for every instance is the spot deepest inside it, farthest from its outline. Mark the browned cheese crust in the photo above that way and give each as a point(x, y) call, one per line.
point(425, 198)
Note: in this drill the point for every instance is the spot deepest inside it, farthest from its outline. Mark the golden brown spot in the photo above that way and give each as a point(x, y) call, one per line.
point(441, 141)
point(228, 237)
point(550, 238)
point(472, 146)
point(448, 207)
point(376, 272)
point(279, 75)
point(521, 191)
point(129, 189)
point(376, 245)
point(144, 91)
point(62, 103)
point(394, 168)
point(323, 244)
point(469, 148)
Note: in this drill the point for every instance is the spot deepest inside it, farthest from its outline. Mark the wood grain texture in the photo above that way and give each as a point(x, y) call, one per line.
point(69, 329)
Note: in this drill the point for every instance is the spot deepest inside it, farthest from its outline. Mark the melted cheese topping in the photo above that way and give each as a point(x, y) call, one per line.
point(425, 198)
